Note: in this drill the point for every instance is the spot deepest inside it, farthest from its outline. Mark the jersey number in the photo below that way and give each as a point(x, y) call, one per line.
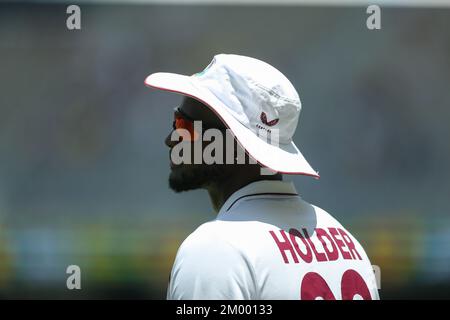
point(352, 286)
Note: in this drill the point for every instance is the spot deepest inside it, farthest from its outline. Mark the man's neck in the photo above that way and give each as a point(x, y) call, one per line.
point(220, 192)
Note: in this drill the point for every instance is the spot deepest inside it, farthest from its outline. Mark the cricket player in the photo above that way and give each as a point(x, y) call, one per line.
point(266, 241)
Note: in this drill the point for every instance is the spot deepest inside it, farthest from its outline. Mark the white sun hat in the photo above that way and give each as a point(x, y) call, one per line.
point(250, 97)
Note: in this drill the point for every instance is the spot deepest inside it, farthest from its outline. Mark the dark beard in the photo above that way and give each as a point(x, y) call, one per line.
point(191, 177)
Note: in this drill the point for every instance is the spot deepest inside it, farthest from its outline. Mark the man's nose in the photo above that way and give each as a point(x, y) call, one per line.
point(169, 141)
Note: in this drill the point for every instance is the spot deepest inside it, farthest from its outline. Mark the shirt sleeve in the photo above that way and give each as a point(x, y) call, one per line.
point(209, 268)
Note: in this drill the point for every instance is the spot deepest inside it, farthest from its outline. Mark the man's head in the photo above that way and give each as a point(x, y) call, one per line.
point(258, 104)
point(199, 172)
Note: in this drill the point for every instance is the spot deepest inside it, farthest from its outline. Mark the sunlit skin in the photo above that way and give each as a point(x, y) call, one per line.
point(220, 180)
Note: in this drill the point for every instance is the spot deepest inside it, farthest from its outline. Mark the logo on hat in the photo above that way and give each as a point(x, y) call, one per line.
point(270, 123)
point(206, 69)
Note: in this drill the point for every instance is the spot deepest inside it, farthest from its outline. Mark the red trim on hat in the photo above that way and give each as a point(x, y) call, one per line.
point(316, 176)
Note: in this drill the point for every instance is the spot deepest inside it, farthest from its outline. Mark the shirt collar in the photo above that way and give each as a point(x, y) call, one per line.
point(262, 187)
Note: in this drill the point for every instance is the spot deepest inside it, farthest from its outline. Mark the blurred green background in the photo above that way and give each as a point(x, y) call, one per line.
point(83, 166)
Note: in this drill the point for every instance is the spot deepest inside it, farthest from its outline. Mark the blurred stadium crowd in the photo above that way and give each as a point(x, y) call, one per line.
point(83, 166)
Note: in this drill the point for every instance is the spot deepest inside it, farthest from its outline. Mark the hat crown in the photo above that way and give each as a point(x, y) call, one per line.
point(257, 94)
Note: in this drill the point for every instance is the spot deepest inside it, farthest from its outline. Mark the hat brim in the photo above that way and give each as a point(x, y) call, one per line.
point(284, 158)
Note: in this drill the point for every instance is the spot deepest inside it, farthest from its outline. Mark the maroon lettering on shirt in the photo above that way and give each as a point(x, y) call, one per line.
point(351, 246)
point(320, 256)
point(332, 255)
point(340, 244)
point(332, 240)
point(294, 233)
point(284, 246)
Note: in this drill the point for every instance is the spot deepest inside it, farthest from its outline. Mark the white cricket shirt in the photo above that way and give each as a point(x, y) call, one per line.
point(268, 243)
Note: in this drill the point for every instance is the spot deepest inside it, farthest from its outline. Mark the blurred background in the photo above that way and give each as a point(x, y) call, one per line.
point(84, 168)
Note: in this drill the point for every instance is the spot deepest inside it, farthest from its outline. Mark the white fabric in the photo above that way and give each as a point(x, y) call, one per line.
point(235, 256)
point(240, 90)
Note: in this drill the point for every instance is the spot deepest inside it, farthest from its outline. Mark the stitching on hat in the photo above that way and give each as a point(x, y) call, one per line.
point(273, 93)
